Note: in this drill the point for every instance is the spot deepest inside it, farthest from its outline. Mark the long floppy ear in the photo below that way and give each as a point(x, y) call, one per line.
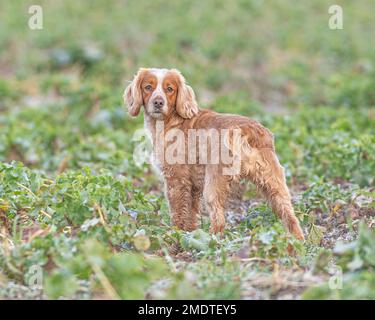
point(133, 94)
point(186, 105)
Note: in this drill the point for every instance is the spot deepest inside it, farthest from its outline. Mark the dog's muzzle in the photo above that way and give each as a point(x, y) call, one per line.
point(158, 104)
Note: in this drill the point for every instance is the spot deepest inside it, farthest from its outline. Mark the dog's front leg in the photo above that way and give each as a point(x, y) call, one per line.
point(179, 197)
point(191, 220)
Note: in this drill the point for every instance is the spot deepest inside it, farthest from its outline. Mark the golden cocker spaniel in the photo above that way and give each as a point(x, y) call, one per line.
point(202, 154)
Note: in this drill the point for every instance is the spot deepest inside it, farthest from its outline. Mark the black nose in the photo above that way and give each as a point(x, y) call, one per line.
point(158, 102)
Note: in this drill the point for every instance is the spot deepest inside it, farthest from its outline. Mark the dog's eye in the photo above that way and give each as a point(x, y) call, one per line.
point(148, 87)
point(170, 89)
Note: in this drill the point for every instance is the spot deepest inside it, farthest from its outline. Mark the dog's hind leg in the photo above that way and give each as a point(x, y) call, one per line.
point(215, 194)
point(265, 171)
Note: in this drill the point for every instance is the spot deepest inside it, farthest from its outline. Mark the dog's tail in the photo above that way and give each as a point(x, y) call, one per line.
point(261, 165)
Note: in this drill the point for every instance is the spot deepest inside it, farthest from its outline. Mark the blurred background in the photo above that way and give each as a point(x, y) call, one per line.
point(278, 53)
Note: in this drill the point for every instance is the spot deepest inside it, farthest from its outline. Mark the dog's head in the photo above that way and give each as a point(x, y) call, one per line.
point(162, 92)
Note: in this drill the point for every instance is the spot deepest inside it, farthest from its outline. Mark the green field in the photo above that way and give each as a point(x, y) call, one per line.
point(80, 220)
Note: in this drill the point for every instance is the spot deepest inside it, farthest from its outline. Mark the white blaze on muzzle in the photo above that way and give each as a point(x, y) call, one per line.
point(159, 92)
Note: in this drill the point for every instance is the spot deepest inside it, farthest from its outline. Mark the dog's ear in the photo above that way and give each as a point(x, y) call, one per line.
point(133, 94)
point(186, 104)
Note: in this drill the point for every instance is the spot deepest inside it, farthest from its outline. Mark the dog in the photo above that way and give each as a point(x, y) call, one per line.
point(170, 104)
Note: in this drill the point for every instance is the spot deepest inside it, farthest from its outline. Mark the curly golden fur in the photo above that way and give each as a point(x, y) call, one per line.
point(167, 98)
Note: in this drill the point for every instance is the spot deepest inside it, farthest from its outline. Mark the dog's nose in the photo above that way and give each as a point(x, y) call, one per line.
point(158, 102)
